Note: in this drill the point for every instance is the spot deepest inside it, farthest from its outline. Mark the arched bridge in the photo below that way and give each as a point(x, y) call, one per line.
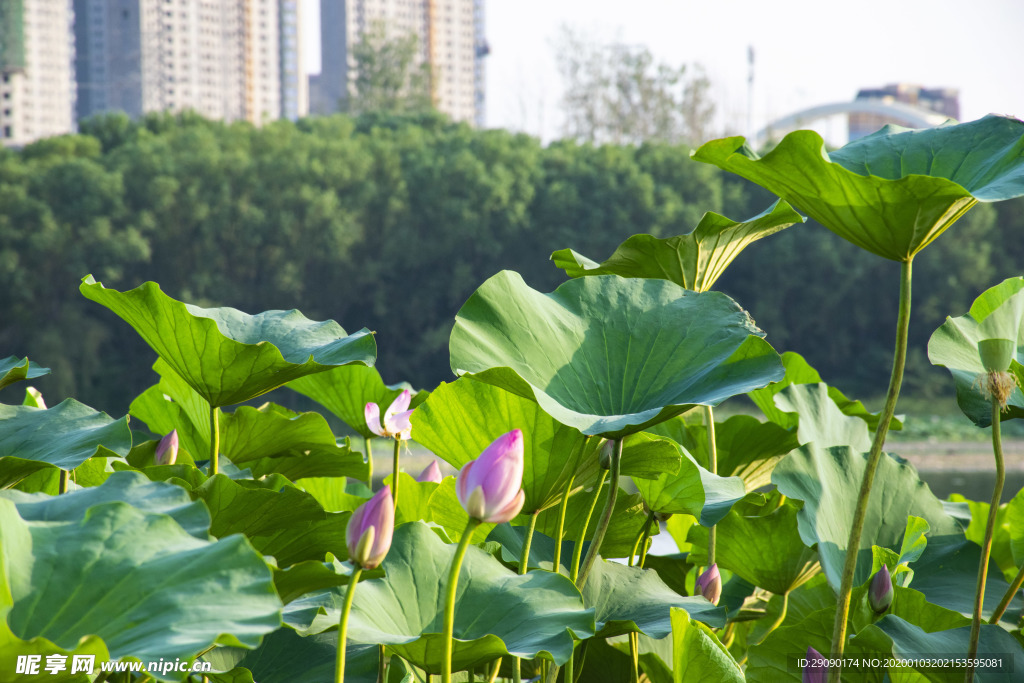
point(900, 112)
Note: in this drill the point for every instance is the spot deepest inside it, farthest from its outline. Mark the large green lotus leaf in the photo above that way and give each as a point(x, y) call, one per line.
point(647, 456)
point(310, 576)
point(14, 369)
point(629, 599)
point(799, 371)
point(542, 548)
point(414, 501)
point(139, 582)
point(609, 355)
point(903, 639)
point(497, 612)
point(948, 573)
point(64, 436)
point(891, 192)
point(1002, 543)
point(346, 390)
point(628, 519)
point(746, 447)
point(692, 491)
point(695, 260)
point(286, 657)
point(128, 487)
point(821, 421)
point(331, 494)
point(828, 481)
point(228, 356)
point(759, 541)
point(459, 420)
point(287, 523)
point(997, 314)
point(172, 404)
point(698, 655)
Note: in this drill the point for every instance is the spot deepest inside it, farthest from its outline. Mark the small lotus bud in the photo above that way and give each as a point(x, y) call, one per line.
point(431, 473)
point(490, 487)
point(369, 531)
point(167, 450)
point(880, 592)
point(816, 670)
point(709, 584)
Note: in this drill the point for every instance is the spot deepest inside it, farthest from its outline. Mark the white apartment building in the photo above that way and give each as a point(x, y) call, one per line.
point(37, 83)
point(219, 58)
point(449, 36)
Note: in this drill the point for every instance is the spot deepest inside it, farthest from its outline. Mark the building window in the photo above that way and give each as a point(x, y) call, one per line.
point(7, 132)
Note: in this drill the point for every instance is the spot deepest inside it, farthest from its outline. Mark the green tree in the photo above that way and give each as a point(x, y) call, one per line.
point(389, 76)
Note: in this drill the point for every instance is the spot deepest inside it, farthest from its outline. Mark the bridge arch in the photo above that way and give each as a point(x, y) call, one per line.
point(900, 112)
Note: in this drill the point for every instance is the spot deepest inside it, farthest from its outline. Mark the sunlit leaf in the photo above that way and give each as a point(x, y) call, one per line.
point(14, 369)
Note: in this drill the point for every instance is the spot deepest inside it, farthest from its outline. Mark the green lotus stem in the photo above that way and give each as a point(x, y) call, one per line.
point(778, 621)
point(634, 640)
point(857, 528)
point(494, 673)
point(561, 524)
point(394, 471)
point(449, 600)
point(339, 669)
point(524, 560)
point(986, 546)
point(381, 665)
point(214, 439)
point(577, 549)
point(369, 461)
point(709, 420)
point(645, 535)
point(606, 517)
point(62, 482)
point(1010, 593)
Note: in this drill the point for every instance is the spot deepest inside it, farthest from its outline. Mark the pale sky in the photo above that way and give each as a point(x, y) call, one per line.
point(807, 52)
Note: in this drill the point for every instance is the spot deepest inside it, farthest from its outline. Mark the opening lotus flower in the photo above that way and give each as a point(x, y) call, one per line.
point(167, 450)
point(490, 487)
point(880, 593)
point(709, 584)
point(396, 424)
point(431, 473)
point(816, 669)
point(369, 531)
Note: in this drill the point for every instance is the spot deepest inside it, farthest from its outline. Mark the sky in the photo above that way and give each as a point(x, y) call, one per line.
point(807, 52)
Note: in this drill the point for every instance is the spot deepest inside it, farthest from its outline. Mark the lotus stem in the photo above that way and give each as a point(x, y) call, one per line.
point(369, 462)
point(394, 471)
point(524, 561)
point(1010, 593)
point(381, 665)
point(577, 550)
point(339, 669)
point(62, 482)
point(778, 621)
point(709, 421)
point(214, 439)
point(634, 640)
point(449, 601)
point(986, 546)
point(857, 527)
point(494, 673)
point(606, 517)
point(561, 524)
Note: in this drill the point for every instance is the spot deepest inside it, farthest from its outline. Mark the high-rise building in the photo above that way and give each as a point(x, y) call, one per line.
point(221, 59)
point(37, 86)
point(944, 101)
point(294, 82)
point(450, 38)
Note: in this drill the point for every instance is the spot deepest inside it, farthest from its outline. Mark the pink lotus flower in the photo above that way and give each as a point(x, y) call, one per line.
point(490, 487)
point(431, 473)
point(396, 418)
point(710, 584)
point(816, 670)
point(369, 531)
point(167, 450)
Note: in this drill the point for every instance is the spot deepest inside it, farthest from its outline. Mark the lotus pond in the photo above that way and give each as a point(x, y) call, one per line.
point(199, 539)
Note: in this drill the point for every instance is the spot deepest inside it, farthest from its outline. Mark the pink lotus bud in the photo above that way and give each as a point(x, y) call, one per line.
point(490, 487)
point(710, 584)
point(880, 592)
point(396, 418)
point(167, 450)
point(368, 535)
point(816, 670)
point(431, 473)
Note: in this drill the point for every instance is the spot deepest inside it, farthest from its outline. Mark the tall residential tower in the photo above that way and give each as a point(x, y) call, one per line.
point(450, 37)
point(37, 85)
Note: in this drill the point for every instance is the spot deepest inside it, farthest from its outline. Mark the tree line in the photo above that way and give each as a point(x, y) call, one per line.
point(390, 222)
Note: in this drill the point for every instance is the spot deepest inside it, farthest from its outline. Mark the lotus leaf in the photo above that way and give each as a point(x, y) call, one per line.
point(610, 356)
point(13, 369)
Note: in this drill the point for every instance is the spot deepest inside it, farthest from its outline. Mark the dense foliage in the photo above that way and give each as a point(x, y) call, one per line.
point(392, 222)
